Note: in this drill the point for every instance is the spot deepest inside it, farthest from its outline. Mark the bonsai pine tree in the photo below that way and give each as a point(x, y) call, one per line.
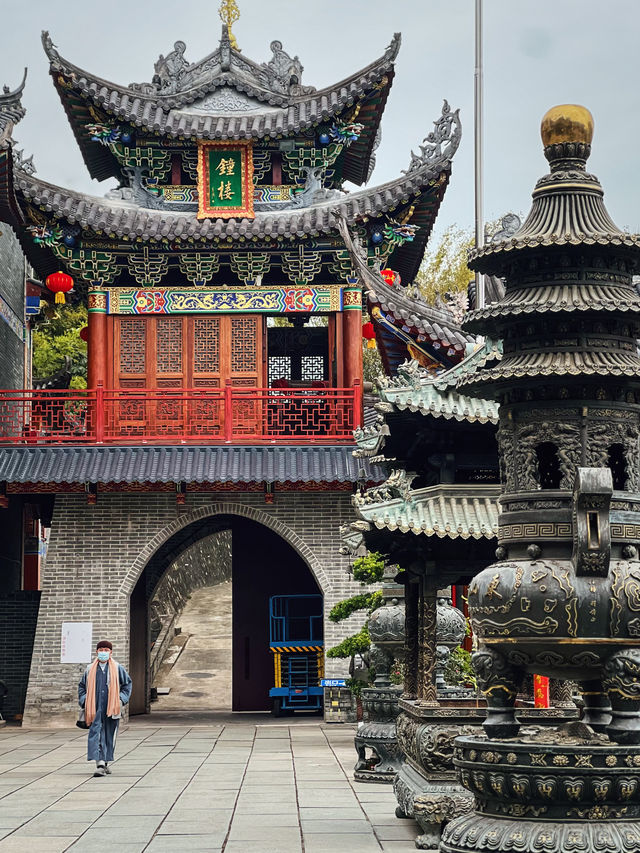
point(368, 570)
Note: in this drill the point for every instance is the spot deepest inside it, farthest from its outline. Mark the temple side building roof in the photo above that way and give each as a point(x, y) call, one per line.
point(415, 389)
point(429, 400)
point(190, 464)
point(223, 96)
point(418, 390)
point(450, 511)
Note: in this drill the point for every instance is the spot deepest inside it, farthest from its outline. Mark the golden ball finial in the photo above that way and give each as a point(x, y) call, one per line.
point(566, 123)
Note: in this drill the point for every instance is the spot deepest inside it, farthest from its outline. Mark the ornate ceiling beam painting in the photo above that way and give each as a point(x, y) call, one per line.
point(260, 300)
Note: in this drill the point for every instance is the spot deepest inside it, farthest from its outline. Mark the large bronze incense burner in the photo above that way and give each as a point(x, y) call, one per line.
point(573, 618)
point(563, 597)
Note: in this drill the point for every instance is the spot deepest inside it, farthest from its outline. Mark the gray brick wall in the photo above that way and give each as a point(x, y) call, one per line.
point(12, 292)
point(96, 555)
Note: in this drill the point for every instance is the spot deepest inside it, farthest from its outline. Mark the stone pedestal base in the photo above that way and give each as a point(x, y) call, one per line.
point(551, 791)
point(379, 756)
point(431, 802)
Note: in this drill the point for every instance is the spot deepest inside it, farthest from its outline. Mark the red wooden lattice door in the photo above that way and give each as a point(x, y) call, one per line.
point(168, 364)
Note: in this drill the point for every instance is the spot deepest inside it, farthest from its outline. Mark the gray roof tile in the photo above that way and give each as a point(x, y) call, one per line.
point(125, 219)
point(190, 464)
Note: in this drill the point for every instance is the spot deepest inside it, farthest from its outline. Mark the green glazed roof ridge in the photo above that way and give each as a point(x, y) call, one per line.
point(445, 511)
point(414, 388)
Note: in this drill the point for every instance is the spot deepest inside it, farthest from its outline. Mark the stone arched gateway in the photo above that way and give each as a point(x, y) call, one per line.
point(268, 558)
point(97, 553)
point(243, 510)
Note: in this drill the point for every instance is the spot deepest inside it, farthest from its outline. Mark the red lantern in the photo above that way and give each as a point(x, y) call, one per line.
point(59, 283)
point(390, 276)
point(84, 334)
point(368, 332)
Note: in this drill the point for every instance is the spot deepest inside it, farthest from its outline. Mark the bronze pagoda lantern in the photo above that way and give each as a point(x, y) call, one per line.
point(563, 597)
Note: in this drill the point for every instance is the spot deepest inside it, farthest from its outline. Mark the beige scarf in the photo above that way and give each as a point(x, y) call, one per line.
point(113, 701)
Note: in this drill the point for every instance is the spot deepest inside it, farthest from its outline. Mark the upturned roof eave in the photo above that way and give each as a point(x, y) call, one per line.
point(454, 511)
point(382, 65)
point(102, 164)
point(63, 203)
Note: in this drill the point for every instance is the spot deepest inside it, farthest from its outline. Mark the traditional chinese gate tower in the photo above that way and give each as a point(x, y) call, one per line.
point(225, 314)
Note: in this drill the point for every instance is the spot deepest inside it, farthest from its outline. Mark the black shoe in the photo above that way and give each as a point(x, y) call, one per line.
point(107, 770)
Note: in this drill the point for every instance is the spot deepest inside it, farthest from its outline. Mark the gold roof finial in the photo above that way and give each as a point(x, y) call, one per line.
point(229, 14)
point(566, 123)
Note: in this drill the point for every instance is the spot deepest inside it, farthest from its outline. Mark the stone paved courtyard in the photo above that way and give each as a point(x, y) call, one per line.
point(235, 787)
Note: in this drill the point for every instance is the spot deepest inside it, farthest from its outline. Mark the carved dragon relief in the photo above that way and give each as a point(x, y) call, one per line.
point(602, 435)
point(565, 436)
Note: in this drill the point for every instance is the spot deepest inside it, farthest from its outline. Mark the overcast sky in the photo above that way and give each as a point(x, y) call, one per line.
point(537, 53)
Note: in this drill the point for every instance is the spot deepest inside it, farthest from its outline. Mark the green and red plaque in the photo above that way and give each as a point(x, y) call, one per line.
point(225, 180)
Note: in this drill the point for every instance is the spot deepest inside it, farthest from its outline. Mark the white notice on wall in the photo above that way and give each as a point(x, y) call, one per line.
point(76, 642)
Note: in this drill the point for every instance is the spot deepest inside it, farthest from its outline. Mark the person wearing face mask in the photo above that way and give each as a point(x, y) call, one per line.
point(103, 689)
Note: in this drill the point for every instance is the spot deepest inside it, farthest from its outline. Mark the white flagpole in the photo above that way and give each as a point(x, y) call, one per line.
point(478, 114)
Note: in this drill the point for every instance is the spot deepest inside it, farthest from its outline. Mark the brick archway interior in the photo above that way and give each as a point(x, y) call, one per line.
point(264, 563)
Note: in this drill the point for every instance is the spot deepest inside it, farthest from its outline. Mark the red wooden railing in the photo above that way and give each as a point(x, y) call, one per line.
point(226, 415)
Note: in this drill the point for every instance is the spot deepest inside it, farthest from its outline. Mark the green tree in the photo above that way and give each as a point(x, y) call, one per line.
point(444, 268)
point(368, 570)
point(59, 336)
point(371, 363)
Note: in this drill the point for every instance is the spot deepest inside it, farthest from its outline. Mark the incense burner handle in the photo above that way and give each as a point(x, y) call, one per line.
point(592, 491)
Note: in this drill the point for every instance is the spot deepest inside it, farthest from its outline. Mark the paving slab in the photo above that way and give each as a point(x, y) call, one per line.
point(45, 844)
point(237, 787)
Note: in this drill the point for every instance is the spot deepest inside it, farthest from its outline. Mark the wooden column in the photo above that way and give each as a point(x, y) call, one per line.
point(428, 618)
point(411, 595)
point(352, 335)
point(97, 346)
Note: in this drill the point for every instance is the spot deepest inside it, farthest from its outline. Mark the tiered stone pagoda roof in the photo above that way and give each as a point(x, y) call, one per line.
point(445, 511)
point(544, 276)
point(223, 96)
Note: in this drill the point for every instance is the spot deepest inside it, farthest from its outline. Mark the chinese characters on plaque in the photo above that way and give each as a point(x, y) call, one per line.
point(225, 180)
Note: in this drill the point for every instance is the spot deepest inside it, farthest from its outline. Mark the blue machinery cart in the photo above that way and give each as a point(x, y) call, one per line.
point(296, 640)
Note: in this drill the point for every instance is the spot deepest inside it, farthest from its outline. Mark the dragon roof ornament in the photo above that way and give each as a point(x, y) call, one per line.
point(442, 143)
point(281, 75)
point(11, 110)
point(370, 439)
point(25, 164)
